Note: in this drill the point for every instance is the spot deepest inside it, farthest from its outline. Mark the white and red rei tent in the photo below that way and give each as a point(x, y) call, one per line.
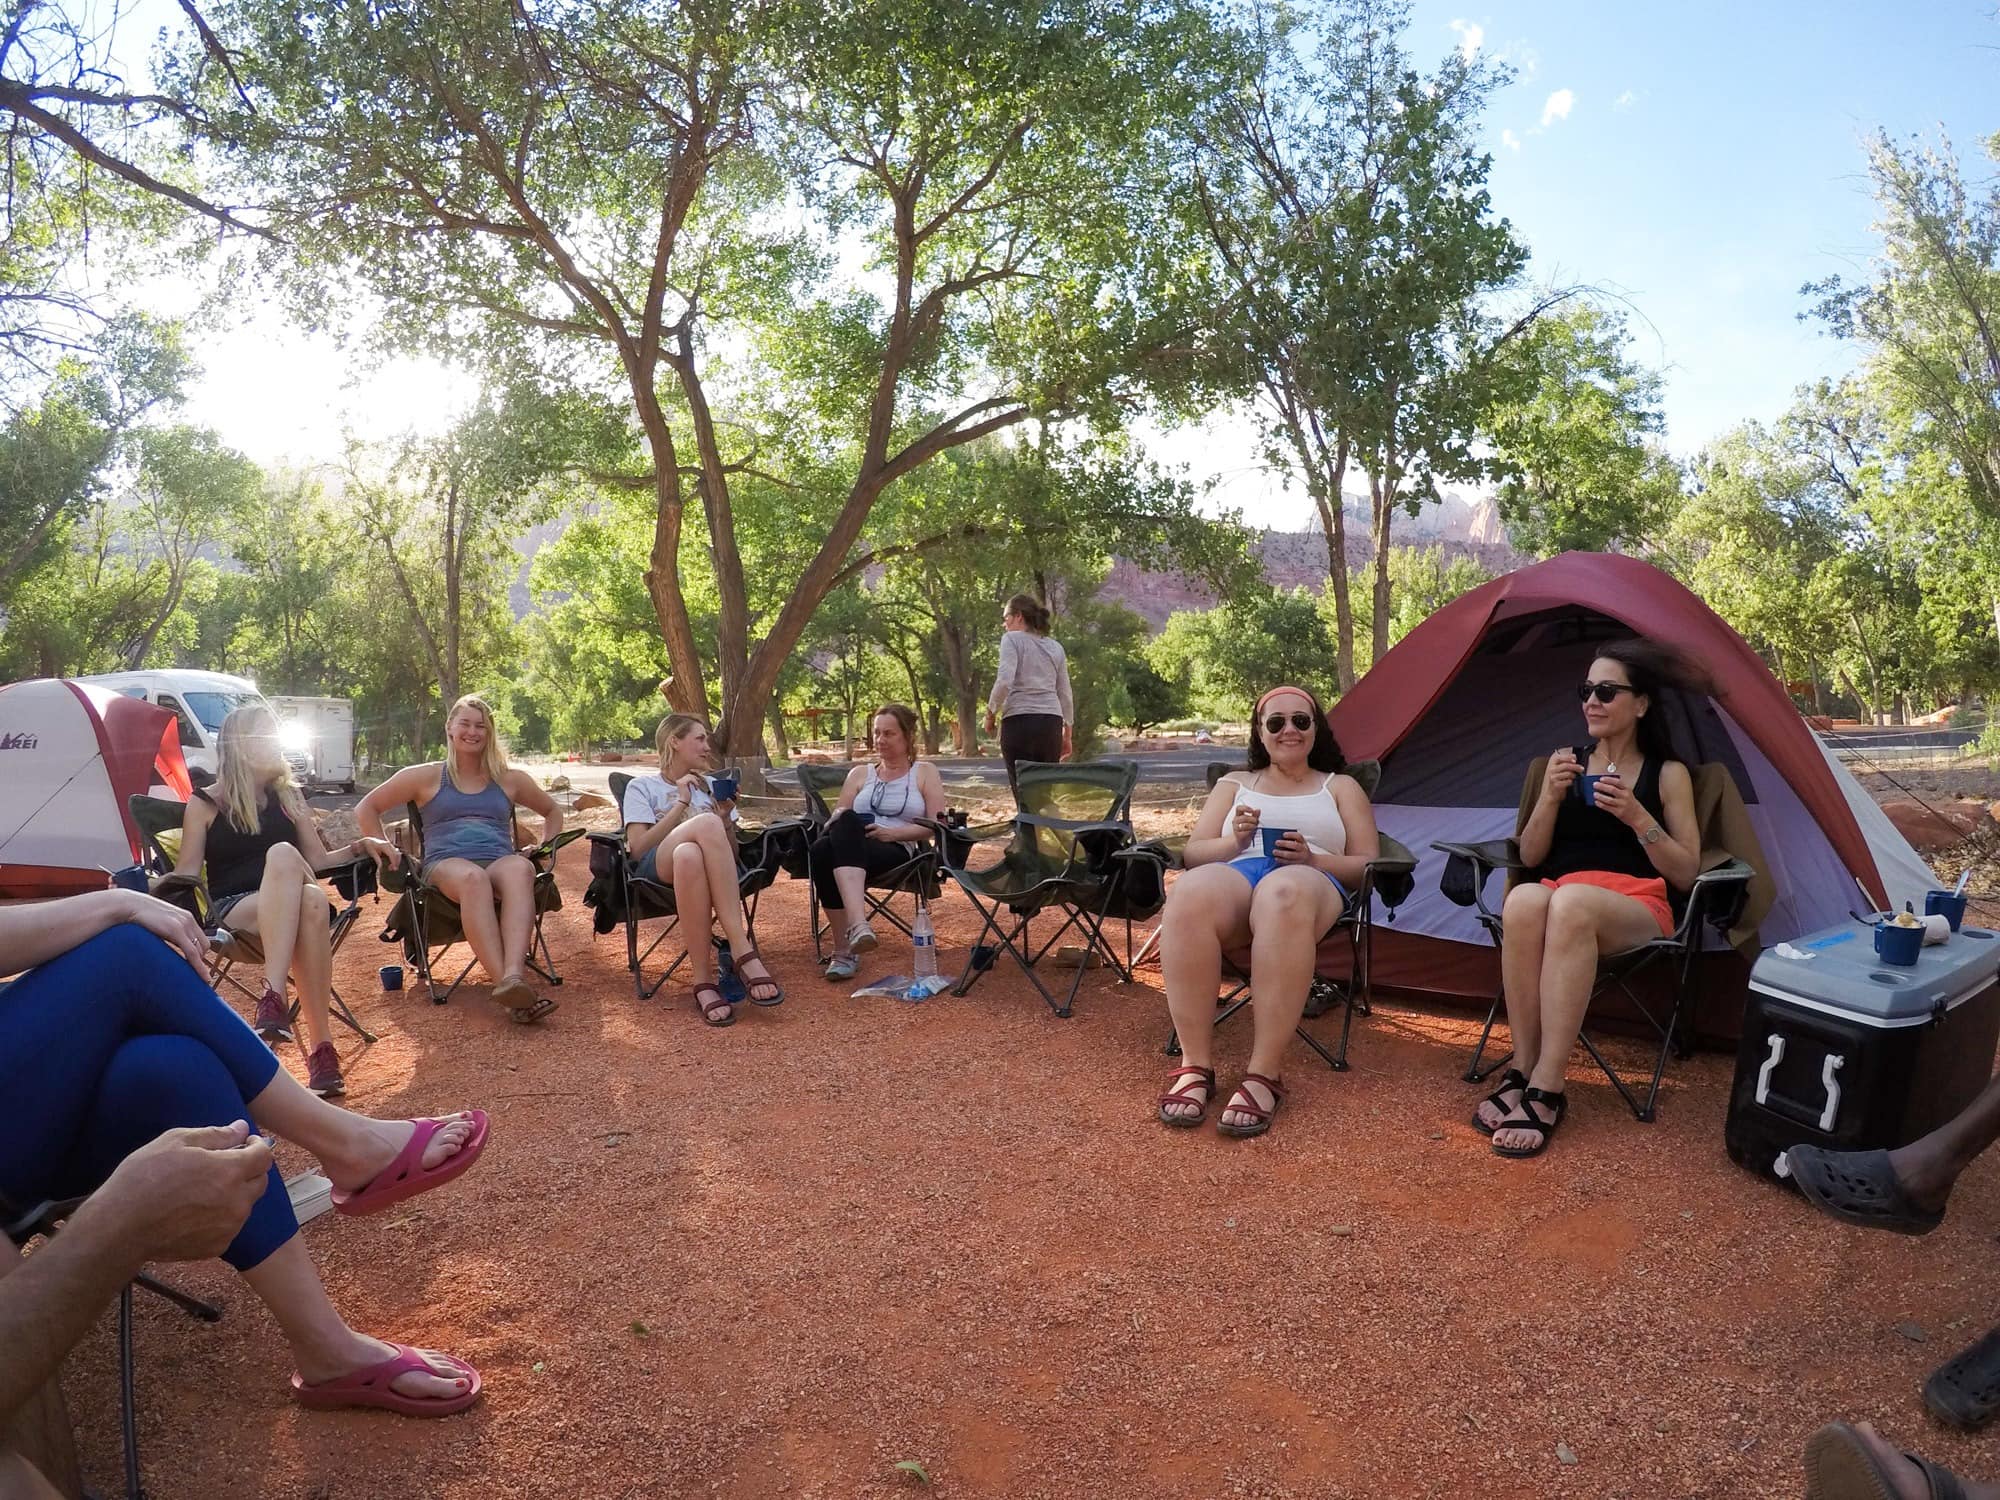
point(71, 753)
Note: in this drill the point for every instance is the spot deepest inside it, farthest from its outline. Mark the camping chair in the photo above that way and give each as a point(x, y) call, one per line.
point(1169, 851)
point(618, 895)
point(917, 875)
point(1345, 952)
point(1072, 824)
point(1728, 896)
point(21, 1225)
point(428, 924)
point(159, 821)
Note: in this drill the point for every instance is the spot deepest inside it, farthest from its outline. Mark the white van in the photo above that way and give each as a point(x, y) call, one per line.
point(200, 701)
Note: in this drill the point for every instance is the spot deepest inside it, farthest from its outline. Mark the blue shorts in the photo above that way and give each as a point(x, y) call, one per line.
point(1255, 867)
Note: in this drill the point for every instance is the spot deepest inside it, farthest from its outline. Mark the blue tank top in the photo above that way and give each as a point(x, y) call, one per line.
point(478, 826)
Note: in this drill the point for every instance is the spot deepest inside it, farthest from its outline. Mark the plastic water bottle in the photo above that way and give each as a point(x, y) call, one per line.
point(923, 942)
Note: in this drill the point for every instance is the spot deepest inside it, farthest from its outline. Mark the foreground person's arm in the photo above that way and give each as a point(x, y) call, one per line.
point(180, 1197)
point(34, 932)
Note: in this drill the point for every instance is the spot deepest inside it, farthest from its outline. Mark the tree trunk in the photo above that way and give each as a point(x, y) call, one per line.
point(1333, 521)
point(933, 731)
point(1382, 498)
point(781, 745)
point(964, 687)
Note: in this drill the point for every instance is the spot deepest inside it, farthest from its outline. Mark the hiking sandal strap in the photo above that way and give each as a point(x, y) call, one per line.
point(1513, 1078)
point(709, 1008)
point(1253, 1108)
point(1555, 1099)
point(1176, 1089)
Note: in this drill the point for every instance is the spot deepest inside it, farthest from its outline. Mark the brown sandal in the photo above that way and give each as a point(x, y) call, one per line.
point(751, 986)
point(715, 1012)
point(1177, 1093)
point(1261, 1117)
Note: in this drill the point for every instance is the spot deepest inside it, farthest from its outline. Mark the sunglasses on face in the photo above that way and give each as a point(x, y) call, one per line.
point(1274, 723)
point(1603, 692)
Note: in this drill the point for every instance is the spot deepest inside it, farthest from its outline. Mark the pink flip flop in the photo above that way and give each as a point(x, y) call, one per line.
point(406, 1176)
point(371, 1387)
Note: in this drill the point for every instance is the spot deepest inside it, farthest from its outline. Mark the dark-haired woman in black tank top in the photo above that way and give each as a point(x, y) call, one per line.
point(1600, 873)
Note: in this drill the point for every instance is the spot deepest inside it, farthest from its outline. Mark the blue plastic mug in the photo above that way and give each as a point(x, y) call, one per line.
point(1898, 945)
point(724, 788)
point(133, 878)
point(1945, 904)
point(1271, 837)
point(1586, 786)
point(392, 976)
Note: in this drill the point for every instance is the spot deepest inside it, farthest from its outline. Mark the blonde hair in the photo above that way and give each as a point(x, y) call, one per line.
point(675, 727)
point(495, 757)
point(239, 786)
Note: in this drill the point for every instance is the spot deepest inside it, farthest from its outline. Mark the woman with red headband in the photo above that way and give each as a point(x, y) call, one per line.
point(1276, 895)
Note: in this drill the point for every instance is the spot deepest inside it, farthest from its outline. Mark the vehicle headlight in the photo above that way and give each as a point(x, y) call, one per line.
point(295, 736)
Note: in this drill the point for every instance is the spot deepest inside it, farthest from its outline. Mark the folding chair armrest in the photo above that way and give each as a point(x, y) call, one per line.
point(403, 875)
point(548, 848)
point(19, 1225)
point(1076, 825)
point(353, 878)
point(1394, 858)
point(1716, 895)
point(1493, 854)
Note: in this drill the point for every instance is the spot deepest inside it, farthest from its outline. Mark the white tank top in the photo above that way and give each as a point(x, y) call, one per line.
point(895, 801)
point(1313, 814)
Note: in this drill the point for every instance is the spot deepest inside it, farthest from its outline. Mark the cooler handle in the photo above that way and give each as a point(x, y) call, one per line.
point(1803, 1113)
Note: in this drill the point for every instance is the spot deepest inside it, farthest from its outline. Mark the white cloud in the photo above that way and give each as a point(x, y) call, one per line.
point(1470, 35)
point(1558, 105)
point(1625, 100)
point(1510, 140)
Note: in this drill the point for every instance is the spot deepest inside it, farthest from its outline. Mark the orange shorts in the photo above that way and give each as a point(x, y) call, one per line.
point(1651, 894)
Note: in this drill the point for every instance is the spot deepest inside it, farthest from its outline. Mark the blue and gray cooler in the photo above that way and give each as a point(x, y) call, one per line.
point(1844, 1051)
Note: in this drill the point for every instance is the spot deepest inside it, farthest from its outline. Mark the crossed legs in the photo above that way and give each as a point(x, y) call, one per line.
point(290, 918)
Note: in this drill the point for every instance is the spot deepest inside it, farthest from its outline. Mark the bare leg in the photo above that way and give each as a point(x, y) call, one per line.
point(278, 918)
point(21, 1480)
point(1525, 914)
point(1287, 908)
point(322, 1343)
point(1929, 1166)
point(1906, 1478)
point(472, 892)
point(312, 965)
point(352, 1148)
point(691, 900)
point(853, 883)
point(513, 881)
point(1584, 921)
point(1207, 910)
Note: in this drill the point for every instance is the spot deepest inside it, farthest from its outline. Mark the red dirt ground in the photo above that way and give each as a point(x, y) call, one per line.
point(856, 1232)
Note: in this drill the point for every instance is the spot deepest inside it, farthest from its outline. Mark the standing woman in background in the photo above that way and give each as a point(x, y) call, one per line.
point(1031, 697)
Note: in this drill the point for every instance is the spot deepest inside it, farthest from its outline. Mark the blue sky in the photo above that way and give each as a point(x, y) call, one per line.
point(1702, 160)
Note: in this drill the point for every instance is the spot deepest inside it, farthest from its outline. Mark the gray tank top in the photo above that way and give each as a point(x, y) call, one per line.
point(478, 826)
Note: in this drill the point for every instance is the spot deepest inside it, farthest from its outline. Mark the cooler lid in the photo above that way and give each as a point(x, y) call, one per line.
point(1845, 975)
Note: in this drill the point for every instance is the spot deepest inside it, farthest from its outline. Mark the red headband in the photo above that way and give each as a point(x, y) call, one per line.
point(1284, 687)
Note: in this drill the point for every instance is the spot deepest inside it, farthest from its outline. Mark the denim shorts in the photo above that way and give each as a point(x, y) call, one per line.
point(1255, 867)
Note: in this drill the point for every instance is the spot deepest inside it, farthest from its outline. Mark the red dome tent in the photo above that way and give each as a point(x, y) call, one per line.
point(1457, 709)
point(70, 755)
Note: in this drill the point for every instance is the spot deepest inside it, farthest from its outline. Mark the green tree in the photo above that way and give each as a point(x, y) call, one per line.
point(1222, 658)
point(192, 492)
point(1353, 250)
point(628, 180)
point(1573, 431)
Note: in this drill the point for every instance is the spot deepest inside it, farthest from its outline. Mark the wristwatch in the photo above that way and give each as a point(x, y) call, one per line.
point(1652, 834)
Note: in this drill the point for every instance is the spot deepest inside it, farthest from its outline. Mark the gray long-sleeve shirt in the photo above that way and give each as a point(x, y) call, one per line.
point(1033, 677)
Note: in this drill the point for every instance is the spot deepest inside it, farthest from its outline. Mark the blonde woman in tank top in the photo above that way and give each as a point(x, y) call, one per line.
point(1277, 905)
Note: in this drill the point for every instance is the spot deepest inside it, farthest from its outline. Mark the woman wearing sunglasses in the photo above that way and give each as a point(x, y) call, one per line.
point(1272, 862)
point(1597, 883)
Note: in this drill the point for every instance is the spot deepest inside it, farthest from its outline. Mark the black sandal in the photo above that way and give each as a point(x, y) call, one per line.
point(715, 1012)
point(527, 1015)
point(751, 986)
point(1558, 1104)
point(1964, 1391)
point(1859, 1187)
point(1176, 1093)
point(1513, 1078)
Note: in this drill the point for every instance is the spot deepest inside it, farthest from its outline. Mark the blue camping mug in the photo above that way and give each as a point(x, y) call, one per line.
point(723, 788)
point(392, 976)
point(1586, 785)
point(1271, 837)
point(1945, 904)
point(133, 878)
point(1898, 945)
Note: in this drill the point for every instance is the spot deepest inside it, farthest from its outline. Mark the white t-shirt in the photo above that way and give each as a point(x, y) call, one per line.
point(648, 799)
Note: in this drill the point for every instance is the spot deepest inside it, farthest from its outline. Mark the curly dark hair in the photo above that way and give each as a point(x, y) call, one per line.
point(1325, 752)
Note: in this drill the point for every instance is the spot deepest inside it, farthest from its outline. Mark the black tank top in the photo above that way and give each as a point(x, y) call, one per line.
point(1587, 837)
point(236, 860)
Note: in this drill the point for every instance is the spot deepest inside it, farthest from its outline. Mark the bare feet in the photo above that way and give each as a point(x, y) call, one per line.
point(440, 1383)
point(1491, 1114)
point(1190, 1097)
point(375, 1144)
point(1835, 1471)
point(1252, 1093)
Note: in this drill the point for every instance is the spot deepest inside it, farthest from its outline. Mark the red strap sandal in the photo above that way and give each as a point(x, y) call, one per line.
point(715, 1010)
point(1260, 1117)
point(1177, 1094)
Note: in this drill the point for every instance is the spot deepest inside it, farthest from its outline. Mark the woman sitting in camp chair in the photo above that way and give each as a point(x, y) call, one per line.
point(263, 851)
point(873, 831)
point(678, 834)
point(1272, 861)
point(469, 851)
point(1599, 869)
